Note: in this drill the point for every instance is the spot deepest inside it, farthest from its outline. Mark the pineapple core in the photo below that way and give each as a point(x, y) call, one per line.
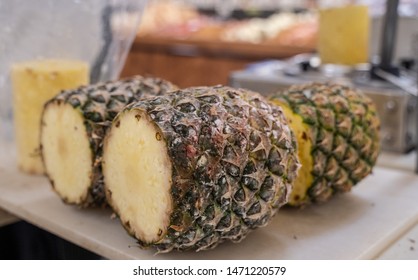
point(66, 151)
point(138, 175)
point(304, 178)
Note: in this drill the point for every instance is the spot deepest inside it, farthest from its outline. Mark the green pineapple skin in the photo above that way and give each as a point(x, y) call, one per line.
point(234, 160)
point(99, 104)
point(344, 132)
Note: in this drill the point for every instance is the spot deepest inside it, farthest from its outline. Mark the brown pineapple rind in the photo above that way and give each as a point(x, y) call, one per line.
point(99, 104)
point(233, 157)
point(344, 132)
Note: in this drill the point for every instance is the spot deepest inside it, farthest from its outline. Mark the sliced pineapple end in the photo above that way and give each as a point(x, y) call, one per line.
point(304, 179)
point(66, 152)
point(137, 173)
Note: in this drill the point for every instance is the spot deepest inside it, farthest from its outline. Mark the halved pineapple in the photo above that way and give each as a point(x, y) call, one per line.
point(139, 175)
point(337, 130)
point(74, 124)
point(305, 177)
point(198, 166)
point(67, 153)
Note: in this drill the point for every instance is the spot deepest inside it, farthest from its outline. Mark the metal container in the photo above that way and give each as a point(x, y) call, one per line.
point(396, 108)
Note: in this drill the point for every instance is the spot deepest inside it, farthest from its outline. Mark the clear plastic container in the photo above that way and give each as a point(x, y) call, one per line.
point(99, 32)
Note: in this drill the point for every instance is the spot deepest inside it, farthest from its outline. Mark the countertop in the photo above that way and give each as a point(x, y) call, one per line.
point(376, 220)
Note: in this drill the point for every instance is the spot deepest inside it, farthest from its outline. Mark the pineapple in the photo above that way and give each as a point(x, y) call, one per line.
point(337, 131)
point(198, 166)
point(74, 124)
point(34, 83)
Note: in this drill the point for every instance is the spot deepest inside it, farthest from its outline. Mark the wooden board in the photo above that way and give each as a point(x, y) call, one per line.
point(361, 224)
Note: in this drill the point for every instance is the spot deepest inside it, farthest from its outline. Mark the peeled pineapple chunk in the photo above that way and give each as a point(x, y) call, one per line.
point(34, 83)
point(67, 152)
point(198, 166)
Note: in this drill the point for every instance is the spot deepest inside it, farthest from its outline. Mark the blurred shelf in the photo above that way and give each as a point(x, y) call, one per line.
point(192, 62)
point(358, 225)
point(190, 47)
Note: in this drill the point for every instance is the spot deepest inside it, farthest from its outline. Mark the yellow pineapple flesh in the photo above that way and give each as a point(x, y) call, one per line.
point(143, 175)
point(304, 143)
point(34, 83)
point(67, 151)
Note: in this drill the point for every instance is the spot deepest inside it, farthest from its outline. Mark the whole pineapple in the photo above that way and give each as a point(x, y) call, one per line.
point(73, 126)
point(192, 168)
point(337, 130)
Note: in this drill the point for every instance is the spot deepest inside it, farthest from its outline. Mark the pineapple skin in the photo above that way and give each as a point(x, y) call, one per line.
point(342, 127)
point(99, 104)
point(34, 83)
point(233, 162)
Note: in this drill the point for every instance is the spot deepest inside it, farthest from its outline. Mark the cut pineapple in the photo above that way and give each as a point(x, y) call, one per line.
point(337, 130)
point(65, 141)
point(34, 83)
point(198, 166)
point(74, 124)
point(139, 165)
point(305, 177)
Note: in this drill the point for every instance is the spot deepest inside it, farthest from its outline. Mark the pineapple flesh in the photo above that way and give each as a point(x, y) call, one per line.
point(337, 131)
point(198, 166)
point(73, 126)
point(34, 83)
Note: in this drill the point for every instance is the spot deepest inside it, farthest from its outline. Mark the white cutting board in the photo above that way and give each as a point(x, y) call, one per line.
point(361, 224)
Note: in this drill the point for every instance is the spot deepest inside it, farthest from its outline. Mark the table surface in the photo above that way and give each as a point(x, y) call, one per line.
point(405, 248)
point(367, 223)
point(406, 162)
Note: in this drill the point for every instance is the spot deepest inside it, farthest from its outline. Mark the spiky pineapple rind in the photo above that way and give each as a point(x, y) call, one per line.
point(233, 159)
point(343, 126)
point(99, 104)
